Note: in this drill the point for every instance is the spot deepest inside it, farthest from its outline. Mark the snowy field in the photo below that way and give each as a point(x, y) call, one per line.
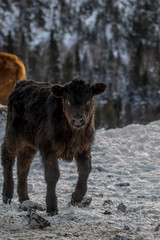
point(124, 185)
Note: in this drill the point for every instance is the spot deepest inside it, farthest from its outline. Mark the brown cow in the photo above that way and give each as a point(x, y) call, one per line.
point(59, 122)
point(11, 70)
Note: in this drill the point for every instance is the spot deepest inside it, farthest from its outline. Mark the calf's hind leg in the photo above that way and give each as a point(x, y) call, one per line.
point(8, 159)
point(24, 160)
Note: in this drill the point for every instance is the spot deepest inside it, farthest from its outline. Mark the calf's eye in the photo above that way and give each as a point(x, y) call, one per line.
point(67, 102)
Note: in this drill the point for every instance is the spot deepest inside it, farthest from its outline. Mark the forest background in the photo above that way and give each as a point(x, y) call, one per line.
point(112, 41)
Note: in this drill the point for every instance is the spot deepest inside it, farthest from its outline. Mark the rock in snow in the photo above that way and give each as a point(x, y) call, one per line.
point(118, 237)
point(122, 184)
point(121, 207)
point(36, 221)
point(128, 155)
point(28, 204)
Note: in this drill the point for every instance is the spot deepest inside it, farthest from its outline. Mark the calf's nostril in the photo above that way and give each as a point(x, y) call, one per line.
point(81, 120)
point(73, 120)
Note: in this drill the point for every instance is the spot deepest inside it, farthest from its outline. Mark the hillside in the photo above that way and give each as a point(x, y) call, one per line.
point(124, 186)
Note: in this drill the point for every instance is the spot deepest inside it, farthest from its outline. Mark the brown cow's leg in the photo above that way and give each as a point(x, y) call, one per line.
point(84, 168)
point(24, 160)
point(8, 159)
point(52, 174)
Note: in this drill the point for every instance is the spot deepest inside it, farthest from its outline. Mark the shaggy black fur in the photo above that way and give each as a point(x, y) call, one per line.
point(59, 122)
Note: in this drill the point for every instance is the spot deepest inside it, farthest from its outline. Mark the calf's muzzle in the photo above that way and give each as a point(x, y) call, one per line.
point(78, 122)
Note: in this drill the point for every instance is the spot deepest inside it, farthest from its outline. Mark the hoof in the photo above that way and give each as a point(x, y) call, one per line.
point(53, 213)
point(85, 202)
point(23, 199)
point(7, 200)
point(73, 202)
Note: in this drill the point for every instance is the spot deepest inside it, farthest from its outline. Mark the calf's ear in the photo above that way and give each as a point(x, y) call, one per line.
point(57, 90)
point(98, 88)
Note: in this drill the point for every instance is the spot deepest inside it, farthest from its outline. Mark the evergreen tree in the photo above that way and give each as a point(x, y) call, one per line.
point(23, 53)
point(9, 47)
point(98, 118)
point(158, 48)
point(68, 68)
point(144, 78)
point(137, 64)
point(77, 61)
point(85, 67)
point(40, 18)
point(53, 69)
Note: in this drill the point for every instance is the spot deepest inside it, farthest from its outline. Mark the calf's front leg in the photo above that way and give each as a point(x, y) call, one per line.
point(84, 169)
point(52, 174)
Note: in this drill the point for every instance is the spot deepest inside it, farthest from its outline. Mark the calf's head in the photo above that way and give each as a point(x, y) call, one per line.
point(78, 100)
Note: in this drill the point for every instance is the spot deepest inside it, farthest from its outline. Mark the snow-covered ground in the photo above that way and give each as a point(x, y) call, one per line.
point(124, 186)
